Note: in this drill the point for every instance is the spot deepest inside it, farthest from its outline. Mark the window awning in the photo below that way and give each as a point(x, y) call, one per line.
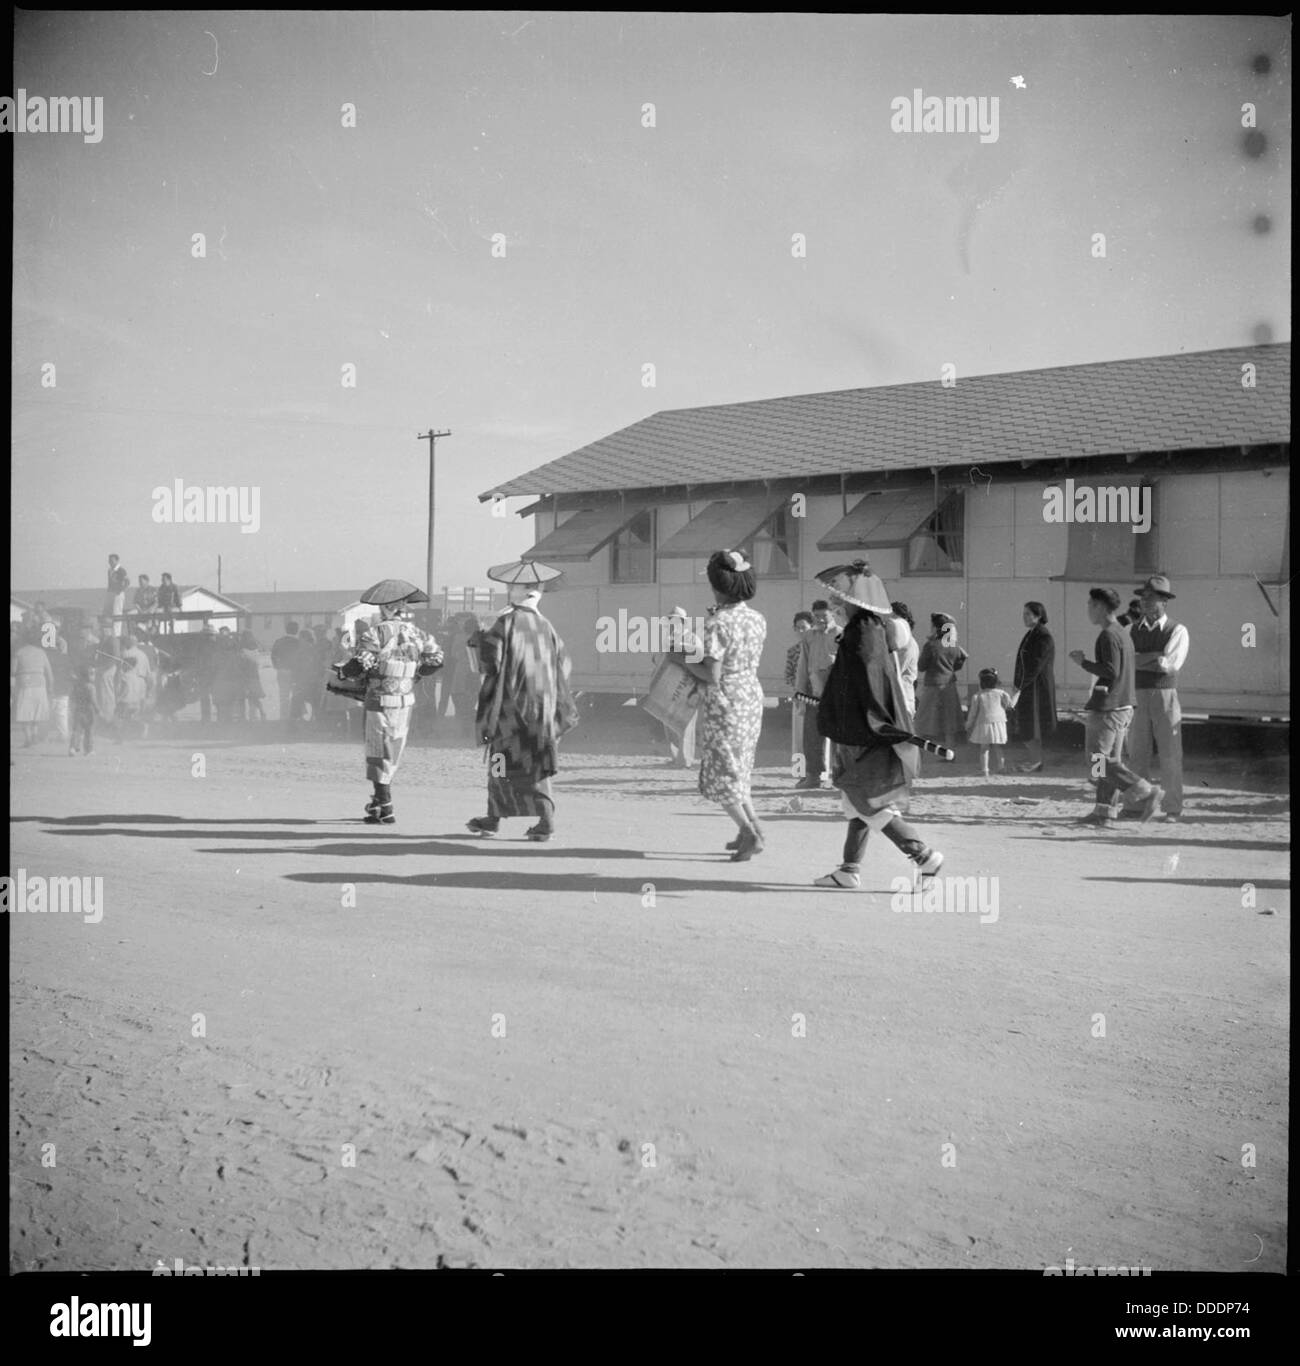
point(881, 521)
point(1109, 552)
point(583, 534)
point(723, 525)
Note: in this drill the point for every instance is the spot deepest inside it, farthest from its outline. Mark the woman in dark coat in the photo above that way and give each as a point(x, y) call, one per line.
point(1035, 686)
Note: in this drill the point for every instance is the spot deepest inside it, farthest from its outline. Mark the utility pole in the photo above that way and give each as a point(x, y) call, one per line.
point(218, 573)
point(432, 438)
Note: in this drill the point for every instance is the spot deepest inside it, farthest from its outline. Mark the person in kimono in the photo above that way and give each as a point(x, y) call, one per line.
point(524, 709)
point(391, 652)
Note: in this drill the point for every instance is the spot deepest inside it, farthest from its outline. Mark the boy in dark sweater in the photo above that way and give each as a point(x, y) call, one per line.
point(1110, 713)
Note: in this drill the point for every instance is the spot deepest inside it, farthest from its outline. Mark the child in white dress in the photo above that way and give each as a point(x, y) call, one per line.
point(986, 721)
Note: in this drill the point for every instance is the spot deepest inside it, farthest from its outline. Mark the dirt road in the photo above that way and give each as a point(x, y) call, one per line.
point(297, 1041)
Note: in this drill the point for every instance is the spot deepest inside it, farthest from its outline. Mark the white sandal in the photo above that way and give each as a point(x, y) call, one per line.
point(844, 881)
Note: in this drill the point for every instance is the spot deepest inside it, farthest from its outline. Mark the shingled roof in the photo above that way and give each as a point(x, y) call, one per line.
point(1191, 401)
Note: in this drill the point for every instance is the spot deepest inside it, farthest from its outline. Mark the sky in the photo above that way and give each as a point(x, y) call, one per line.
point(625, 245)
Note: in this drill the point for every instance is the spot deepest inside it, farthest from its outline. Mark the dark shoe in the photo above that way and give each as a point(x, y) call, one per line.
point(1098, 818)
point(484, 825)
point(539, 834)
point(382, 815)
point(1148, 807)
point(1130, 813)
point(808, 785)
point(1029, 768)
point(748, 846)
point(732, 844)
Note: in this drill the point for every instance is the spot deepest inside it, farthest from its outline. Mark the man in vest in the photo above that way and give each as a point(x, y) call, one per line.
point(1159, 652)
point(391, 653)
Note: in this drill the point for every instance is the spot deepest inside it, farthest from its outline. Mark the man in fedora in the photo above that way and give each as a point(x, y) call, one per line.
point(1159, 652)
point(390, 653)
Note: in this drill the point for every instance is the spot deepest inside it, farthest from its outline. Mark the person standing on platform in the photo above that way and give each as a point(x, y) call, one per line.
point(168, 604)
point(115, 595)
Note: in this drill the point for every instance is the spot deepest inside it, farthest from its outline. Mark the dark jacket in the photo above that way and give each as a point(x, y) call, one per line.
point(284, 653)
point(1035, 681)
point(861, 704)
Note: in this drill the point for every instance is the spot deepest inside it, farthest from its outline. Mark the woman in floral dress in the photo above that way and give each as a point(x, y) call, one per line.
point(733, 704)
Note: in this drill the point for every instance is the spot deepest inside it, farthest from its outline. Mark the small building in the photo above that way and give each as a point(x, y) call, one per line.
point(969, 498)
point(317, 609)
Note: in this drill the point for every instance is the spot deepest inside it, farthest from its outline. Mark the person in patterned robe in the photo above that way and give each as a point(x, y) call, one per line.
point(733, 704)
point(524, 708)
point(390, 653)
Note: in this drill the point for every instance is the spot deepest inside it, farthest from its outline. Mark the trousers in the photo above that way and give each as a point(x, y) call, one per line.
point(816, 749)
point(1157, 728)
point(1104, 733)
point(386, 732)
point(896, 830)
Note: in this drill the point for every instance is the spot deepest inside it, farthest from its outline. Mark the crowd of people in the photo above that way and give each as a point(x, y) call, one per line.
point(136, 678)
point(869, 696)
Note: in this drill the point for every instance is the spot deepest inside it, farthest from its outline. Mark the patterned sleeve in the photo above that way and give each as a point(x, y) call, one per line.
point(431, 656)
point(367, 651)
point(715, 639)
point(492, 648)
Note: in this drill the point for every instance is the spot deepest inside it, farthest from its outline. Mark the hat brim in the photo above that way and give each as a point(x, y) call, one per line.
point(388, 591)
point(530, 573)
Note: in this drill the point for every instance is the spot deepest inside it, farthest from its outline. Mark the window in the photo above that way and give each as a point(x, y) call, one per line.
point(632, 551)
point(773, 549)
point(1146, 551)
point(937, 545)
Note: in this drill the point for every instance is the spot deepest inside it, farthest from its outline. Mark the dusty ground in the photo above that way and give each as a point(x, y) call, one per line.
point(629, 1024)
